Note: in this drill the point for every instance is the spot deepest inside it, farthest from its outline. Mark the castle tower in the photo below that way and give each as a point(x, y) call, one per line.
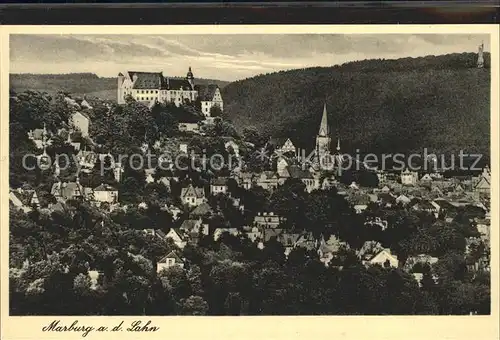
point(190, 77)
point(323, 139)
point(121, 78)
point(480, 56)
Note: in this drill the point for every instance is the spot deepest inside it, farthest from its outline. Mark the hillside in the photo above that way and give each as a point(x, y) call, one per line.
point(438, 102)
point(76, 83)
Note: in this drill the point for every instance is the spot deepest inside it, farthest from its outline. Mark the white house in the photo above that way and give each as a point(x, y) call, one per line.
point(210, 96)
point(169, 260)
point(105, 193)
point(192, 196)
point(177, 236)
point(409, 177)
point(218, 186)
point(80, 121)
point(384, 258)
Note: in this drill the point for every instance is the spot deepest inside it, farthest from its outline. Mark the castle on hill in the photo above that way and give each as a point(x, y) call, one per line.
point(153, 87)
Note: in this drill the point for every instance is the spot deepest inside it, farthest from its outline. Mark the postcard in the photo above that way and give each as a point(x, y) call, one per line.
point(241, 182)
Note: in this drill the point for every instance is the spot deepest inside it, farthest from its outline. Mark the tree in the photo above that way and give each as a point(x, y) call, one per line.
point(194, 305)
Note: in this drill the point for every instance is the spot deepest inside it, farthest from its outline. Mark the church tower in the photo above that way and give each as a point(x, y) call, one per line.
point(323, 138)
point(480, 57)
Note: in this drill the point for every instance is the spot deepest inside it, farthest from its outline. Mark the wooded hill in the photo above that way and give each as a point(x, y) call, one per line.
point(438, 102)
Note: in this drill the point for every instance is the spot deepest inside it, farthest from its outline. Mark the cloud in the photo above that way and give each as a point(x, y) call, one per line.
point(227, 57)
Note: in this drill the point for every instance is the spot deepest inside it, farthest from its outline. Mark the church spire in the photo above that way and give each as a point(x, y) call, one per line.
point(323, 128)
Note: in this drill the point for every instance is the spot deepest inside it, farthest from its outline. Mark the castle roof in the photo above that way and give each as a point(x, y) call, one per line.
point(148, 80)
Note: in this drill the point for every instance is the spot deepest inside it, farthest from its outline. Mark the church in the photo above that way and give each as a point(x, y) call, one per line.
point(152, 87)
point(324, 157)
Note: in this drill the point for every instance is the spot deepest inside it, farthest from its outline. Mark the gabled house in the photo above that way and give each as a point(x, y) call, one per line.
point(253, 233)
point(384, 258)
point(192, 196)
point(170, 260)
point(195, 227)
point(403, 199)
point(203, 210)
point(246, 180)
point(307, 241)
point(18, 203)
point(63, 191)
point(219, 231)
point(305, 176)
point(268, 180)
point(421, 260)
point(177, 236)
point(210, 96)
point(105, 193)
point(288, 240)
point(80, 121)
point(267, 220)
point(218, 186)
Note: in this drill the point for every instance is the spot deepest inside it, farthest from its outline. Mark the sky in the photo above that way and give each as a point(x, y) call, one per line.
point(223, 57)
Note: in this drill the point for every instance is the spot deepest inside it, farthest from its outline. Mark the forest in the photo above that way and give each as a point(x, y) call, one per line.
point(441, 103)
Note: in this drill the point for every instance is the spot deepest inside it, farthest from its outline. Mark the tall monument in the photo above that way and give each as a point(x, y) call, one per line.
point(480, 56)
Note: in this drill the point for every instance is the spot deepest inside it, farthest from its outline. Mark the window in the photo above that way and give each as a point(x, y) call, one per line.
point(157, 91)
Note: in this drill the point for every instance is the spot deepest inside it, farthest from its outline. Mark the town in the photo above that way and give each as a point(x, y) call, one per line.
point(197, 230)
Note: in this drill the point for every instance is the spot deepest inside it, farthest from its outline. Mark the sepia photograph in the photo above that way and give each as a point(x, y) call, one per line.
point(249, 174)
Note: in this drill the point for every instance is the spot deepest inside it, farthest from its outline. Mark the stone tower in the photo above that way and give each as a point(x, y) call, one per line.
point(190, 77)
point(323, 139)
point(480, 57)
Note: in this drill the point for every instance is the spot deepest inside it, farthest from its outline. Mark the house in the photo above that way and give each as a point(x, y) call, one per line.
point(385, 189)
point(403, 199)
point(105, 193)
point(424, 205)
point(420, 260)
point(377, 222)
point(305, 176)
point(203, 210)
point(269, 180)
point(253, 233)
point(219, 231)
point(153, 86)
point(218, 186)
point(177, 236)
point(169, 260)
point(63, 191)
point(483, 185)
point(155, 233)
point(18, 203)
point(426, 180)
point(210, 96)
point(283, 145)
point(268, 234)
point(384, 258)
point(80, 121)
point(150, 175)
point(232, 147)
point(288, 240)
point(192, 196)
point(40, 137)
point(409, 177)
point(267, 220)
point(368, 250)
point(189, 127)
point(307, 241)
point(192, 226)
point(329, 248)
point(246, 180)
